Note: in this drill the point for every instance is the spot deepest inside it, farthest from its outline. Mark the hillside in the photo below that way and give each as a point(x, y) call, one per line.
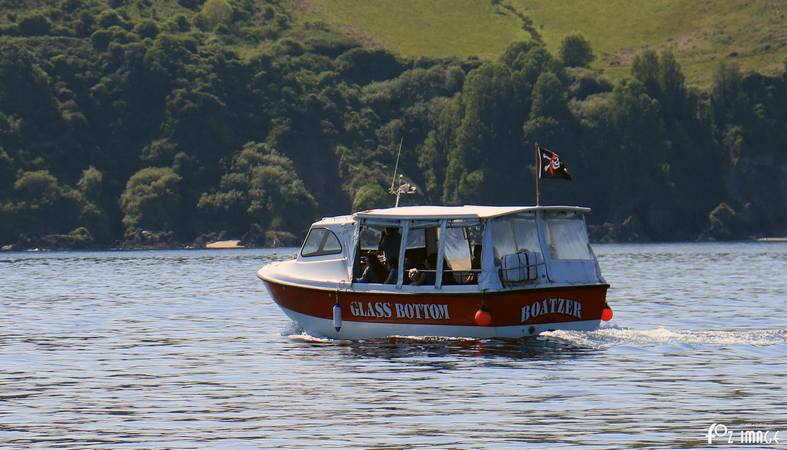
point(139, 123)
point(752, 34)
point(413, 28)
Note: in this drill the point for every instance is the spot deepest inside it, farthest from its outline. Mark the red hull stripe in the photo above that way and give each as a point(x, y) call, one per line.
point(554, 305)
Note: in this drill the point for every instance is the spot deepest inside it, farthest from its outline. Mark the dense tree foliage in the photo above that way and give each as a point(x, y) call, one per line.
point(575, 51)
point(176, 119)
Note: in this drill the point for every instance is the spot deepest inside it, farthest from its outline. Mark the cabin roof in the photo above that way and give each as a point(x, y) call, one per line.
point(338, 220)
point(457, 212)
point(442, 212)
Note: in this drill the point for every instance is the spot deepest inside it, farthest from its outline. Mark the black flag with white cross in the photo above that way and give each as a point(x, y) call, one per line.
point(552, 166)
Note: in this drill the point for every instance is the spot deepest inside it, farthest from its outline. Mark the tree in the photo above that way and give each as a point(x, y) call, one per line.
point(549, 98)
point(35, 25)
point(94, 195)
point(371, 196)
point(6, 171)
point(361, 65)
point(528, 60)
point(42, 206)
point(215, 12)
point(672, 82)
point(727, 96)
point(152, 201)
point(646, 68)
point(575, 51)
point(261, 187)
point(550, 118)
point(489, 138)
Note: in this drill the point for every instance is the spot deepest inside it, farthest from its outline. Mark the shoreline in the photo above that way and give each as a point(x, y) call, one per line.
point(132, 247)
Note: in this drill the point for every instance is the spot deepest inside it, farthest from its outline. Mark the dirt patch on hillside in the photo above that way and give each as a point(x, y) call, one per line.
point(304, 5)
point(685, 45)
point(361, 36)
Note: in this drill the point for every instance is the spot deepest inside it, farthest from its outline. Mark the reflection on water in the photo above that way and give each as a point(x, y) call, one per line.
point(185, 349)
point(492, 349)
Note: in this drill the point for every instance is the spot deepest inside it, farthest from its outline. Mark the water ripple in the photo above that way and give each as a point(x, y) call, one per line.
point(184, 349)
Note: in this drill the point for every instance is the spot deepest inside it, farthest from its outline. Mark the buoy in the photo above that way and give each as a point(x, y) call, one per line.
point(337, 317)
point(606, 313)
point(482, 317)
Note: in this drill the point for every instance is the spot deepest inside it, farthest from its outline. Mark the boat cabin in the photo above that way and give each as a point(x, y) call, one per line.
point(446, 249)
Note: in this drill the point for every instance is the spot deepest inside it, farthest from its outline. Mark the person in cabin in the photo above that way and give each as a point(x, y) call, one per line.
point(368, 275)
point(394, 273)
point(425, 276)
point(475, 265)
point(373, 270)
point(390, 240)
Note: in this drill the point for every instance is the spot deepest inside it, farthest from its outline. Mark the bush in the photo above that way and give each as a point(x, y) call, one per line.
point(575, 51)
point(102, 38)
point(110, 18)
point(35, 25)
point(363, 66)
point(191, 4)
point(371, 196)
point(42, 205)
point(151, 201)
point(215, 12)
point(147, 29)
point(6, 170)
point(723, 223)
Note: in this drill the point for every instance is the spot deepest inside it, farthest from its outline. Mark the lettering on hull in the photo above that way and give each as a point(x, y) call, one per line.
point(555, 305)
point(386, 310)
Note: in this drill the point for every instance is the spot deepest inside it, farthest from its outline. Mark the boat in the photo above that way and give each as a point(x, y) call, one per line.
point(448, 271)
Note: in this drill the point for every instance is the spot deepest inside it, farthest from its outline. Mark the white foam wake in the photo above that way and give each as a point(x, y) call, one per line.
point(617, 336)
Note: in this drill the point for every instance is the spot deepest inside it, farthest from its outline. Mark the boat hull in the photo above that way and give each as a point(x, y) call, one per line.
point(514, 313)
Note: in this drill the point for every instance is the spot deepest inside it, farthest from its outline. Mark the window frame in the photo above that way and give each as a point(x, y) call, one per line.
point(549, 238)
point(320, 249)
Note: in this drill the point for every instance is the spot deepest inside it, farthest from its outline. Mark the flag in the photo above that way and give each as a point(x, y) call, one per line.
point(551, 165)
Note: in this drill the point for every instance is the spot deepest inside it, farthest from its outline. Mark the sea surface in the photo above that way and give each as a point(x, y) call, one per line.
point(185, 349)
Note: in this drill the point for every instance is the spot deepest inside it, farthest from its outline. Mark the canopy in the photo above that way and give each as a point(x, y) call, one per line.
point(457, 212)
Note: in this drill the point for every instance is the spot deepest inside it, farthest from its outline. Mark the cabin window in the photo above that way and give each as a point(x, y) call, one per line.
point(514, 234)
point(462, 254)
point(566, 235)
point(370, 237)
point(526, 234)
point(372, 265)
point(416, 238)
point(319, 242)
point(457, 249)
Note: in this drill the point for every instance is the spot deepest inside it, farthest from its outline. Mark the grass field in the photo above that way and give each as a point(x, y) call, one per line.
point(752, 33)
point(432, 28)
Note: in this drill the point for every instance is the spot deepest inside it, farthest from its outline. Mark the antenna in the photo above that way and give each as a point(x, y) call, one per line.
point(398, 154)
point(404, 188)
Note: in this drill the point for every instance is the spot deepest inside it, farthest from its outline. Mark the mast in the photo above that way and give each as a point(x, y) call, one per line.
point(396, 167)
point(403, 188)
point(538, 175)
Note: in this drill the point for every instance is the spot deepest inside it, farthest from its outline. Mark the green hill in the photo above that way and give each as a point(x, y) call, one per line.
point(152, 123)
point(438, 28)
point(750, 33)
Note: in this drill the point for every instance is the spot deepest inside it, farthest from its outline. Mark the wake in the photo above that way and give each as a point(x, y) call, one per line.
point(612, 336)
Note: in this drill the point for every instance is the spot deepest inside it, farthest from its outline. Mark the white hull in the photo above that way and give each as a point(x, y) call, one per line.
point(366, 330)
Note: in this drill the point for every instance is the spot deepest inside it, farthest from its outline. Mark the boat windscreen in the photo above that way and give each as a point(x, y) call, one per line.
point(457, 249)
point(370, 237)
point(371, 234)
point(566, 236)
point(319, 242)
point(514, 234)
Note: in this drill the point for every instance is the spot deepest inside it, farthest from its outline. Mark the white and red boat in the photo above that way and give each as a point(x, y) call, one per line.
point(468, 271)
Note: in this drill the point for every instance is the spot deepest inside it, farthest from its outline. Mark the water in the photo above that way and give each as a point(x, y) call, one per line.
point(184, 349)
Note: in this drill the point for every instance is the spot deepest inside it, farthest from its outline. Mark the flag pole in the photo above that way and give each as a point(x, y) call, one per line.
point(538, 175)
